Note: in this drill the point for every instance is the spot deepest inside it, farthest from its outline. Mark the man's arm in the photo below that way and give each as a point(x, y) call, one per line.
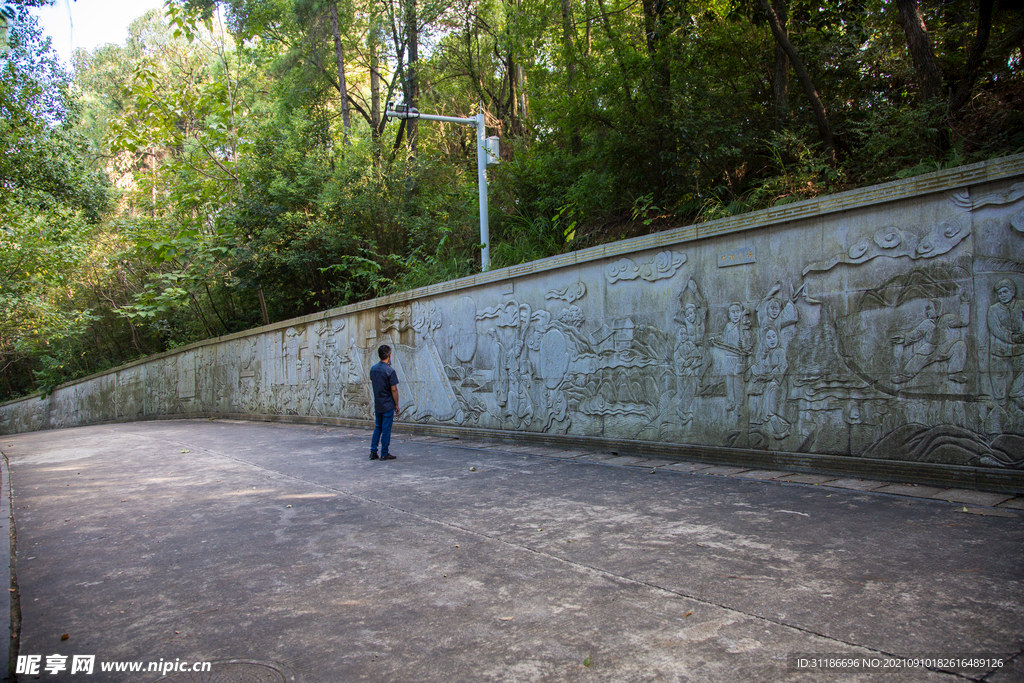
point(996, 327)
point(394, 395)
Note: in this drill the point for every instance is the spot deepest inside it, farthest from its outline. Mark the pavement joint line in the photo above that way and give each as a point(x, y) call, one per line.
point(1014, 657)
point(578, 566)
point(539, 552)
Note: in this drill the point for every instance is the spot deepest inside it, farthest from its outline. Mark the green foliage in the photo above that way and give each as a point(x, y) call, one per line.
point(48, 209)
point(318, 237)
point(220, 124)
point(800, 171)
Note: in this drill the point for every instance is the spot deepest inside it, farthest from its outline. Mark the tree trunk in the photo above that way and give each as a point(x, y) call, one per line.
point(513, 93)
point(589, 32)
point(569, 54)
point(524, 99)
point(412, 84)
point(780, 85)
point(568, 47)
point(820, 115)
point(202, 316)
point(209, 296)
point(7, 375)
point(515, 73)
point(929, 78)
point(263, 305)
point(973, 63)
point(654, 30)
point(374, 49)
point(617, 51)
point(339, 55)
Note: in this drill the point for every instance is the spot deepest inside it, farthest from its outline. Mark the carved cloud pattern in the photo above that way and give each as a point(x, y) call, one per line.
point(572, 293)
point(664, 265)
point(896, 242)
point(965, 202)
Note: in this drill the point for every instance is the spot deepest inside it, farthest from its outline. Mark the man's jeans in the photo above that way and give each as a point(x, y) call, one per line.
point(382, 431)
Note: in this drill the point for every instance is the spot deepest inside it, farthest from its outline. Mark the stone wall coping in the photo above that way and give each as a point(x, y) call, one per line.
point(908, 188)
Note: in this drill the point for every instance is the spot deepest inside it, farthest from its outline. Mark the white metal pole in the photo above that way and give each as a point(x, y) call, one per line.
point(481, 170)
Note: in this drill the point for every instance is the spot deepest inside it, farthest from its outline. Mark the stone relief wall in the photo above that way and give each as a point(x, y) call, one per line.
point(892, 331)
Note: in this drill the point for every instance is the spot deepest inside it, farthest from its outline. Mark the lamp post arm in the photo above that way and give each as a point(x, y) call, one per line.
point(480, 123)
point(429, 117)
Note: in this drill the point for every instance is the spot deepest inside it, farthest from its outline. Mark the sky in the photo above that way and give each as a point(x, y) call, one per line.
point(88, 24)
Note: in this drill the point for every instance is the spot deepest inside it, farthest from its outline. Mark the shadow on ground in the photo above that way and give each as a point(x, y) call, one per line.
point(280, 552)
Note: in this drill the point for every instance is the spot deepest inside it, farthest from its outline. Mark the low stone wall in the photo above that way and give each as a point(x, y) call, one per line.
point(883, 324)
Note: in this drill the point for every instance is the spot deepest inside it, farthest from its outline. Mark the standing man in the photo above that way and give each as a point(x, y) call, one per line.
point(385, 403)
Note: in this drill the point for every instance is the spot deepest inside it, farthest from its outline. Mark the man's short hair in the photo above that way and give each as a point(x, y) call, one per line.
point(1006, 282)
point(383, 351)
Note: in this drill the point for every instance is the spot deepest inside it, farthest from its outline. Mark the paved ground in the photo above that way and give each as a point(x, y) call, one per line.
point(281, 553)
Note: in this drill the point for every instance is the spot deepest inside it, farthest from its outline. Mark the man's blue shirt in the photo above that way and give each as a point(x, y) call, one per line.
point(383, 377)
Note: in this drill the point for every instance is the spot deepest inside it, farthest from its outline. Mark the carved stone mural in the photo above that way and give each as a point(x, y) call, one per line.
point(1005, 322)
point(689, 356)
point(891, 330)
point(64, 408)
point(664, 265)
point(130, 393)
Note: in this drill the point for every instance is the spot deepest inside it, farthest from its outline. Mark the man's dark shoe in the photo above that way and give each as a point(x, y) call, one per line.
point(388, 457)
point(373, 456)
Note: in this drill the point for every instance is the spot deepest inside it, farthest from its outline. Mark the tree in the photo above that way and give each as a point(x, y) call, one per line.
point(820, 115)
point(253, 164)
point(780, 81)
point(49, 206)
point(340, 65)
point(929, 78)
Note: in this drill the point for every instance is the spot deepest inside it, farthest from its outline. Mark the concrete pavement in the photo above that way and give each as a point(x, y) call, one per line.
point(281, 553)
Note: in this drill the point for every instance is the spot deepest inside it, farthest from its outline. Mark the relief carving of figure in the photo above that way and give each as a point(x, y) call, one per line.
point(735, 344)
point(337, 378)
point(500, 369)
point(355, 398)
point(293, 370)
point(772, 312)
point(248, 378)
point(932, 340)
point(513, 376)
point(519, 407)
point(1006, 345)
point(688, 358)
point(326, 367)
point(512, 381)
point(768, 385)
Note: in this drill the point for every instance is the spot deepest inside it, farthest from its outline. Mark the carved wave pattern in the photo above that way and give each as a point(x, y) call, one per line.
point(936, 283)
point(949, 445)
